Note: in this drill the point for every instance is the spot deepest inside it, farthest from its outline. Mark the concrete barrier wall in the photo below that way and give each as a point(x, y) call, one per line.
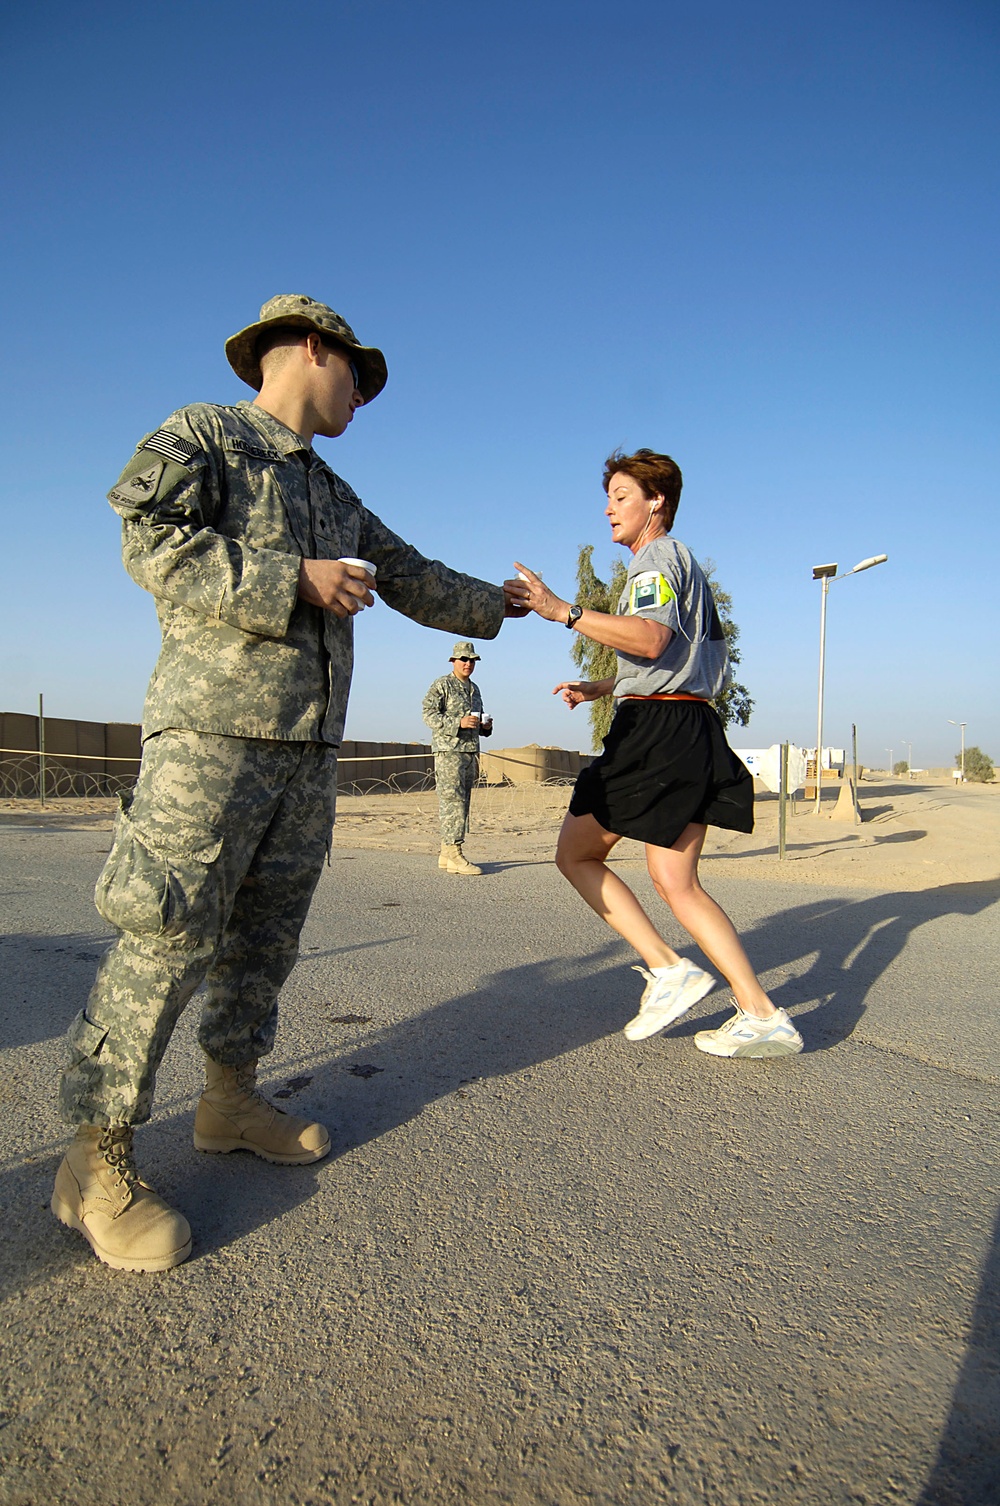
point(371, 768)
point(101, 758)
point(81, 758)
point(531, 765)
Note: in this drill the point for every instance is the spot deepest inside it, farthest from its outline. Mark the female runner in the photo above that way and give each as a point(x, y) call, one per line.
point(666, 773)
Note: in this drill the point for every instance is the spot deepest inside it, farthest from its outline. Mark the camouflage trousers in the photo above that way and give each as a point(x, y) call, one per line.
point(211, 872)
point(454, 776)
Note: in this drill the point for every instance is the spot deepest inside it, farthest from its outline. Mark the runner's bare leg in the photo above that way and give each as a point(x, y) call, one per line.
point(674, 871)
point(582, 850)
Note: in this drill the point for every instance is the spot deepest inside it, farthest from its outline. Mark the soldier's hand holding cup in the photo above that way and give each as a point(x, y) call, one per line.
point(338, 586)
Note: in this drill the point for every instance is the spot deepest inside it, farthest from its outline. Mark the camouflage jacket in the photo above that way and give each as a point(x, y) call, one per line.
point(219, 505)
point(445, 704)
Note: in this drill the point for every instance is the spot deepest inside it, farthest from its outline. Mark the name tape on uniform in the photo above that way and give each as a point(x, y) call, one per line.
point(258, 452)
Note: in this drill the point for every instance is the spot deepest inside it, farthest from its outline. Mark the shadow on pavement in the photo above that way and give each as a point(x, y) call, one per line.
point(212, 1191)
point(967, 1469)
point(516, 1020)
point(513, 1020)
point(523, 1016)
point(854, 941)
point(46, 980)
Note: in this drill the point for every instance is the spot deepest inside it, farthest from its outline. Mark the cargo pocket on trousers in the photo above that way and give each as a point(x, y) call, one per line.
point(84, 1040)
point(161, 878)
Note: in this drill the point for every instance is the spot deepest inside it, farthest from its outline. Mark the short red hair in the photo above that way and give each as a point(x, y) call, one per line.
point(658, 476)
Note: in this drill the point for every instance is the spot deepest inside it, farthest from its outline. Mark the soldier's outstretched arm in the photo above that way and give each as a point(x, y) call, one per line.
point(169, 497)
point(427, 590)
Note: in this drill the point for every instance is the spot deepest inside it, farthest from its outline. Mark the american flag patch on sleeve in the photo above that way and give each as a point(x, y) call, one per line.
point(171, 446)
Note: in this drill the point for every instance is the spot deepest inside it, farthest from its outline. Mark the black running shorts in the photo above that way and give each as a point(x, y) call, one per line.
point(664, 765)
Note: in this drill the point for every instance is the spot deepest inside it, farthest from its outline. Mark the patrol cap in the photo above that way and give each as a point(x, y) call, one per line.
point(464, 650)
point(300, 312)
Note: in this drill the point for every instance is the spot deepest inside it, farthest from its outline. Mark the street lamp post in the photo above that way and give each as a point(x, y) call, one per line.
point(828, 573)
point(962, 725)
point(889, 751)
point(905, 743)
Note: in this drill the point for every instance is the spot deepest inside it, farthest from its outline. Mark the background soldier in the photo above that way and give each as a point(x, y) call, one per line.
point(240, 532)
point(453, 709)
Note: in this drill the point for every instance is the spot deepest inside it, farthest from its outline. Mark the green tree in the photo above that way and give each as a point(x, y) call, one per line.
point(978, 766)
point(901, 766)
point(597, 662)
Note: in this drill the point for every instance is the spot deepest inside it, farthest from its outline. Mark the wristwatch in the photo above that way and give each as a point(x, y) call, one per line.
point(573, 615)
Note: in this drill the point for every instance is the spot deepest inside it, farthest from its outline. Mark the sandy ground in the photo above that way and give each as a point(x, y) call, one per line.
point(913, 836)
point(544, 1265)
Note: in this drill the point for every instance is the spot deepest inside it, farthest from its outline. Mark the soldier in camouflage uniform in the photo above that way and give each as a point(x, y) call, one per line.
point(453, 709)
point(240, 532)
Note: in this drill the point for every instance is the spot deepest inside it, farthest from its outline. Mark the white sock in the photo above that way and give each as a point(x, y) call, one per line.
point(758, 1020)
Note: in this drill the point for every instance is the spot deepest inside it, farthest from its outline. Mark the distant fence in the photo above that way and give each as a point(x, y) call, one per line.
point(98, 759)
point(79, 758)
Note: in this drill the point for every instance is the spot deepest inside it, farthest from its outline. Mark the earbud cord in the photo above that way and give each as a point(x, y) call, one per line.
point(649, 520)
point(642, 540)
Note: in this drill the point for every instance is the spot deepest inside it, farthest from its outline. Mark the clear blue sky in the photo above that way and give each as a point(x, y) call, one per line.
point(761, 237)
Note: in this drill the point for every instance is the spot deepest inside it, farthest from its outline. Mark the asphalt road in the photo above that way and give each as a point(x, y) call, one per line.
point(543, 1265)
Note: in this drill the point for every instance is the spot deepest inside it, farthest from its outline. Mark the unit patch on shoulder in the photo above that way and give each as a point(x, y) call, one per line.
point(172, 446)
point(256, 451)
point(141, 486)
point(649, 590)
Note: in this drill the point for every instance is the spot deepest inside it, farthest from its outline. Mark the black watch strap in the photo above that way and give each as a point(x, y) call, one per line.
point(573, 615)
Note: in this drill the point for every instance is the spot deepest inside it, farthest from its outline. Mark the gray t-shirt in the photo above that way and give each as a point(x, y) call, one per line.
point(666, 583)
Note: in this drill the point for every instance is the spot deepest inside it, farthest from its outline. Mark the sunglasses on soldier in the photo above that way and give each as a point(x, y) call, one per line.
point(335, 345)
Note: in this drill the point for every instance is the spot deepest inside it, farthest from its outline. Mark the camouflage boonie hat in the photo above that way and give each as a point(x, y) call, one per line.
point(464, 650)
point(300, 312)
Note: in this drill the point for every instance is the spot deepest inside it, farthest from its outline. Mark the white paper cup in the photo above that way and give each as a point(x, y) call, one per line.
point(348, 559)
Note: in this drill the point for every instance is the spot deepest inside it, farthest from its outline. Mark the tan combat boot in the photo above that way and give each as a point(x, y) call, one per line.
point(99, 1192)
point(457, 862)
point(446, 847)
point(233, 1115)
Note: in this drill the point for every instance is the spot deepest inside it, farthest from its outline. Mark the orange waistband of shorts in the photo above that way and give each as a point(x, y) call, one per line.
point(700, 699)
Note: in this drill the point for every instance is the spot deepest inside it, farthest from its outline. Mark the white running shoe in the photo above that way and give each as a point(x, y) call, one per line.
point(669, 994)
point(745, 1035)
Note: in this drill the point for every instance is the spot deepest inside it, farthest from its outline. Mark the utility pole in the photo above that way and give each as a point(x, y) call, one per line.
point(962, 725)
point(826, 573)
point(41, 750)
